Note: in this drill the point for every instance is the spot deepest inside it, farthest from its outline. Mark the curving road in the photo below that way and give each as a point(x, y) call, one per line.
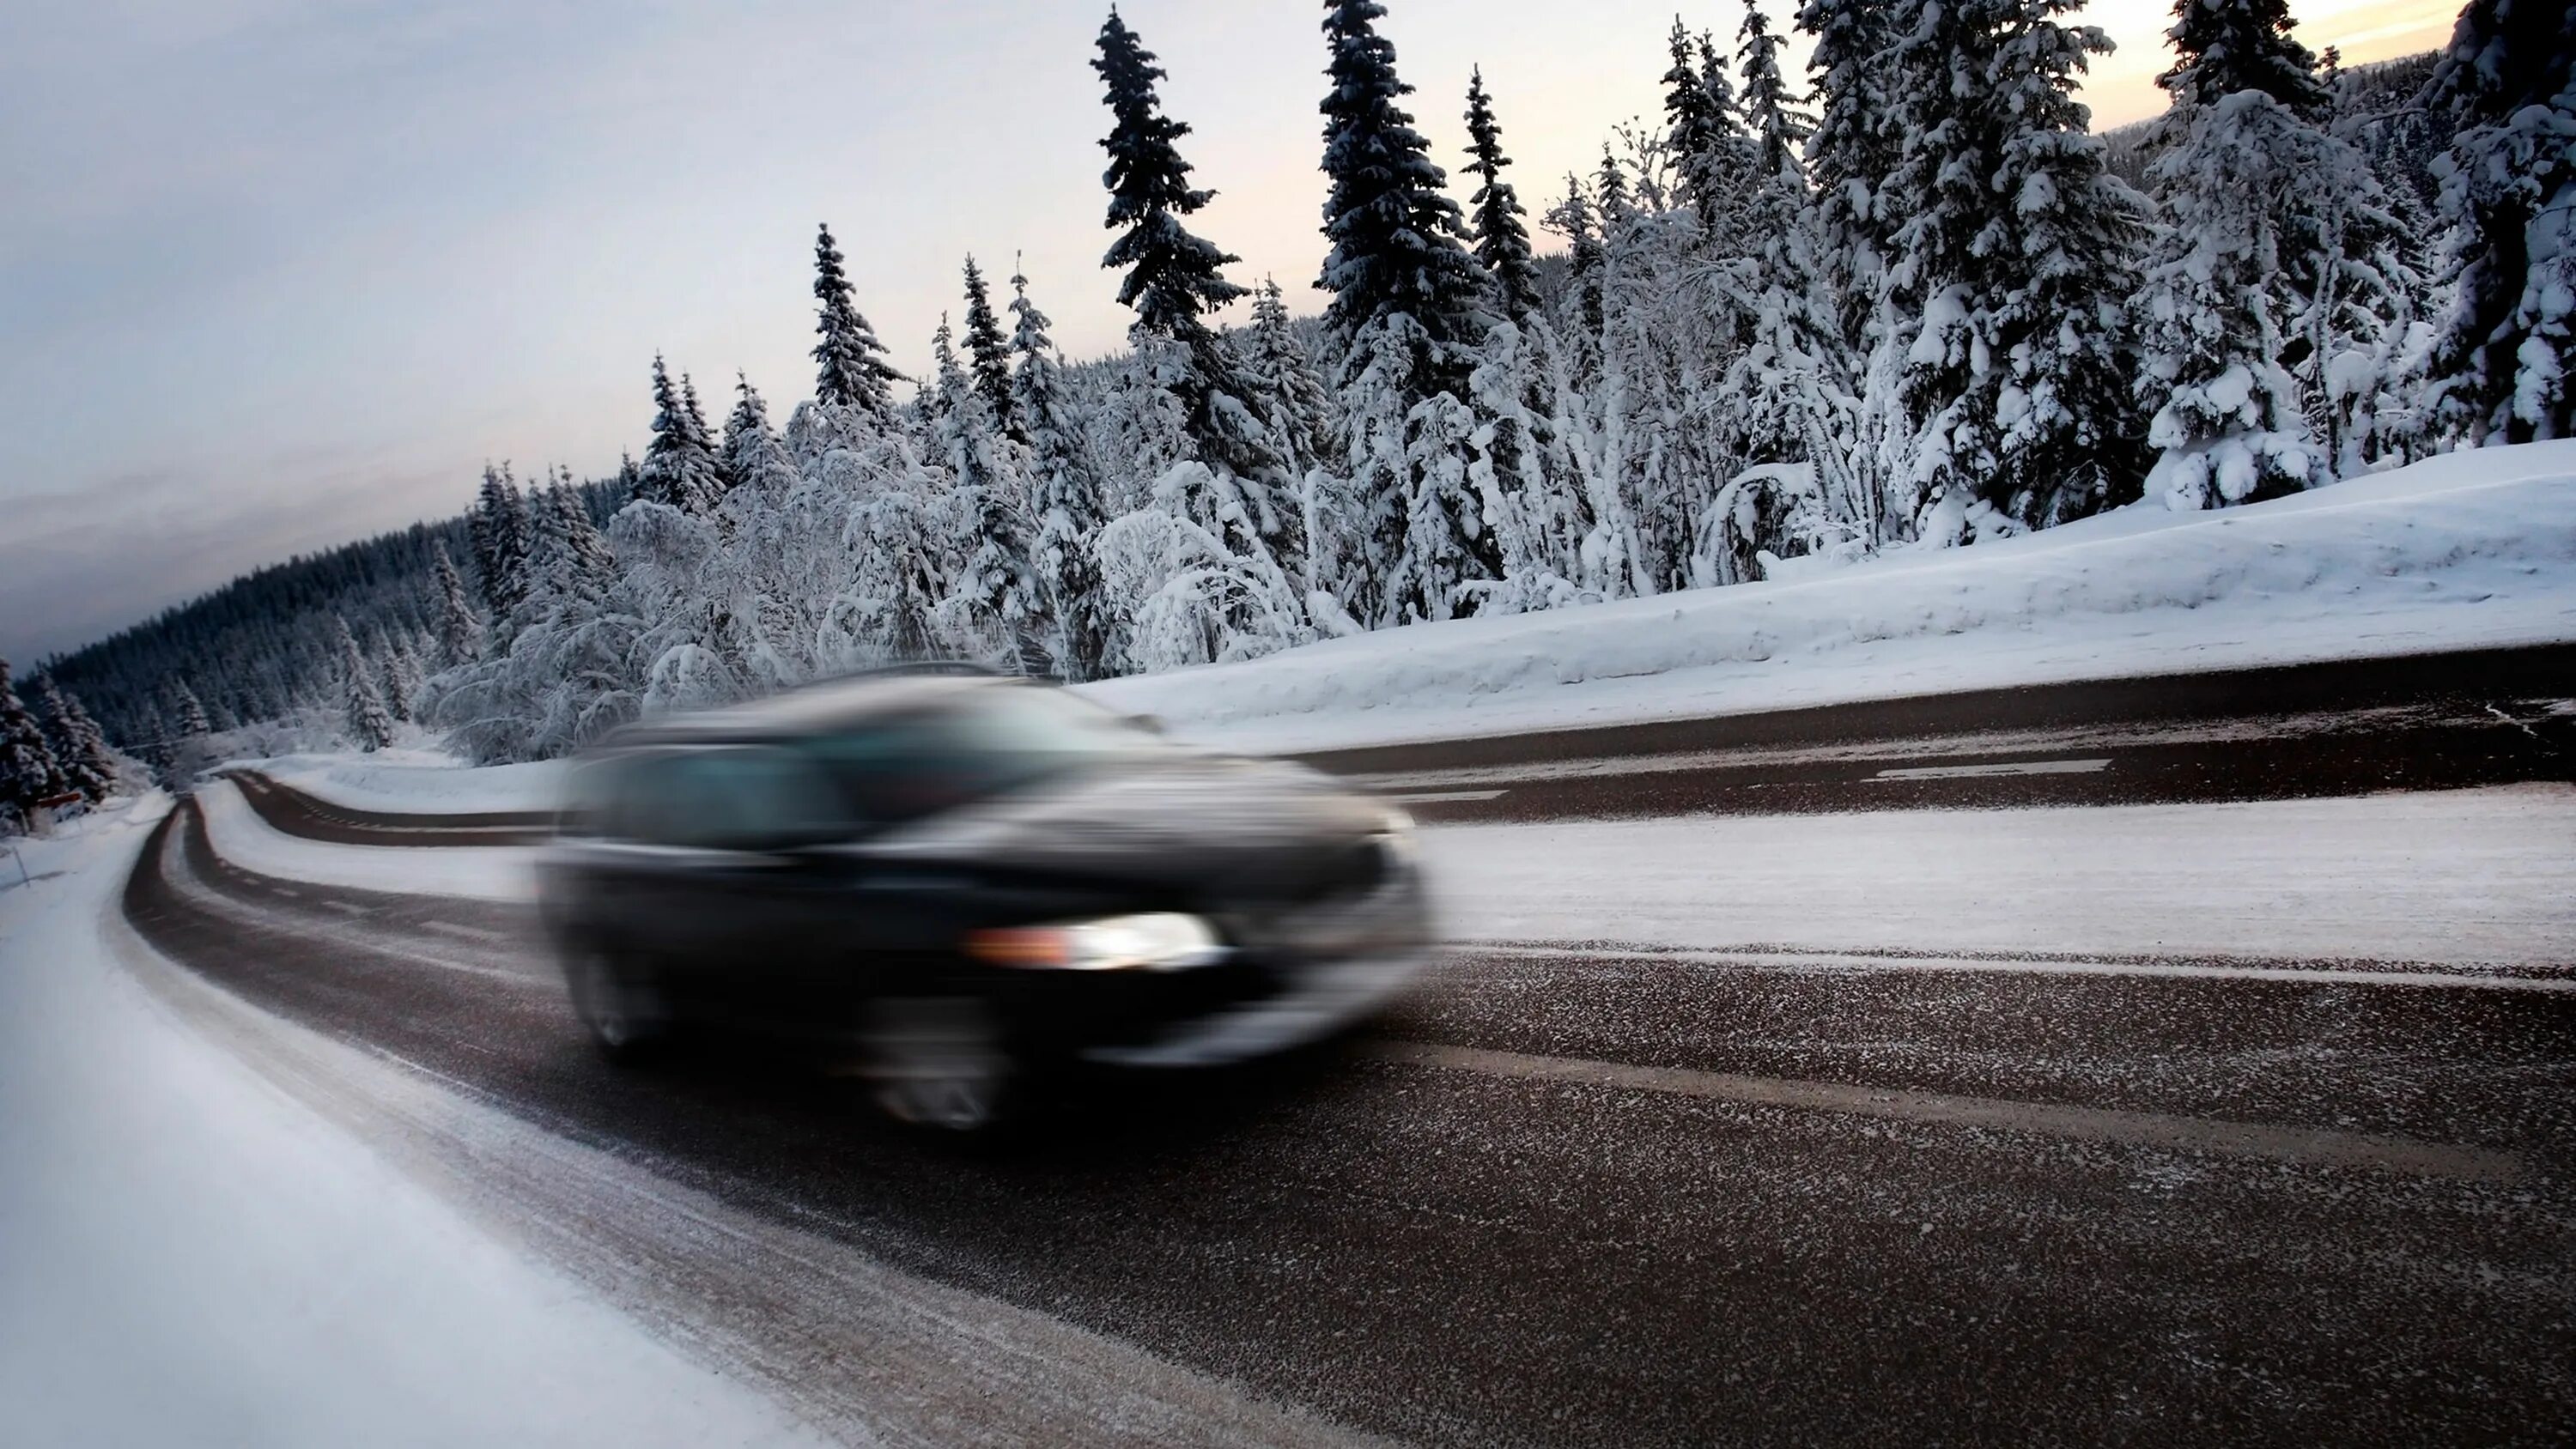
point(1574, 1197)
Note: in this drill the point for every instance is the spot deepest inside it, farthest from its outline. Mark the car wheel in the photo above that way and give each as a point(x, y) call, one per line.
point(941, 1065)
point(625, 1017)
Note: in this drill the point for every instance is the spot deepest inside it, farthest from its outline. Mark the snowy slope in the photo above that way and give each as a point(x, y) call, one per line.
point(188, 1256)
point(420, 781)
point(471, 872)
point(2468, 550)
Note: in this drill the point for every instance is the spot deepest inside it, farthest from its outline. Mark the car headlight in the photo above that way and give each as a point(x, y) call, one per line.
point(1160, 941)
point(1395, 837)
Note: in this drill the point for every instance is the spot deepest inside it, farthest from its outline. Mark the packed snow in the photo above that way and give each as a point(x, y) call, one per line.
point(471, 872)
point(426, 782)
point(189, 1256)
point(2467, 550)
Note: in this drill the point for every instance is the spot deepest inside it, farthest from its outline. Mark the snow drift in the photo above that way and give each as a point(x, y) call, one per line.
point(2473, 549)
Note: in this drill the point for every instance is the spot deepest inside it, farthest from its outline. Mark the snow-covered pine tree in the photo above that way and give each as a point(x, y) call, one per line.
point(582, 568)
point(679, 464)
point(2016, 257)
point(28, 770)
point(995, 596)
point(1574, 219)
point(1704, 133)
point(402, 680)
point(851, 367)
point(2274, 220)
point(78, 745)
point(460, 634)
point(187, 713)
point(501, 536)
point(988, 354)
point(2225, 46)
point(1395, 233)
point(2505, 351)
point(1064, 495)
point(1786, 398)
point(1282, 371)
point(1502, 240)
point(754, 457)
point(702, 444)
point(1173, 278)
point(371, 725)
point(1854, 148)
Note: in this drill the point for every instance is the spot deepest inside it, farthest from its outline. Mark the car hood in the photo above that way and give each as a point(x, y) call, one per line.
point(1249, 828)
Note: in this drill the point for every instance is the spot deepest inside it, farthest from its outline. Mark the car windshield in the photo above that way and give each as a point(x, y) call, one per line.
point(991, 743)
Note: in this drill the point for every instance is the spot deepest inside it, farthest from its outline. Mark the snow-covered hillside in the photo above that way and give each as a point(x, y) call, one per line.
point(2462, 551)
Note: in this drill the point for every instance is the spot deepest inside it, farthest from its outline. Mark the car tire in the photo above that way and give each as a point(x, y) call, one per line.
point(625, 1017)
point(941, 1065)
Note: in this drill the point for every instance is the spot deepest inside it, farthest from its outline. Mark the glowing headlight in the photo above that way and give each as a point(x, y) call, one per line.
point(1164, 941)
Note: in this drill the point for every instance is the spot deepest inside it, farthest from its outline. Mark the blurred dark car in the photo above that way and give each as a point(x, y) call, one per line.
point(953, 885)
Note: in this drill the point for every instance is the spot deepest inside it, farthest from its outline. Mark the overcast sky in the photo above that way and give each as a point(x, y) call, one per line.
point(277, 274)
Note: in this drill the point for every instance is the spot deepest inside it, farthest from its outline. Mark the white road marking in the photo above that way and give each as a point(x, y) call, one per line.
point(346, 909)
point(471, 933)
point(2000, 767)
point(2316, 1146)
point(1439, 797)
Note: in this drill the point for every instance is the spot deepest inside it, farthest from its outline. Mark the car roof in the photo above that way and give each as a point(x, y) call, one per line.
point(815, 709)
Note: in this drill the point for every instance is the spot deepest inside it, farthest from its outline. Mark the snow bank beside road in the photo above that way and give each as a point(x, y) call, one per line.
point(187, 1256)
point(418, 782)
point(475, 872)
point(2469, 550)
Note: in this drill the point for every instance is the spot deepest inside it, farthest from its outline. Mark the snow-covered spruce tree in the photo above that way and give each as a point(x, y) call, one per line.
point(187, 713)
point(2505, 351)
point(460, 634)
point(2015, 259)
point(1397, 248)
point(1410, 306)
point(371, 727)
point(995, 598)
point(988, 354)
point(1709, 148)
point(1786, 399)
point(1064, 495)
point(28, 769)
point(679, 464)
point(499, 530)
point(402, 680)
point(2270, 221)
point(1280, 369)
point(1173, 278)
point(1502, 240)
point(851, 368)
point(79, 747)
point(753, 456)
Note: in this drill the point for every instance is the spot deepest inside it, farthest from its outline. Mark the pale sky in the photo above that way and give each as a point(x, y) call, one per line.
point(277, 274)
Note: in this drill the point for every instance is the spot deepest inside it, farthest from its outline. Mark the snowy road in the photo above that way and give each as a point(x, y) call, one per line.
point(1838, 1177)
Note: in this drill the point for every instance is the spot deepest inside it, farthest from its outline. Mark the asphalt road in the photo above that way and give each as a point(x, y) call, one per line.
point(1568, 1198)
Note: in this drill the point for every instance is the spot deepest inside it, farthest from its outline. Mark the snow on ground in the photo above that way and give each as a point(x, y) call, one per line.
point(188, 1256)
point(2462, 877)
point(420, 781)
point(476, 872)
point(2469, 550)
point(2459, 878)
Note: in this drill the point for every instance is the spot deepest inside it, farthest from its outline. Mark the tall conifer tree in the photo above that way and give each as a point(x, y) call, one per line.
point(988, 353)
point(1501, 236)
point(852, 371)
point(2508, 191)
point(1395, 234)
point(1174, 278)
